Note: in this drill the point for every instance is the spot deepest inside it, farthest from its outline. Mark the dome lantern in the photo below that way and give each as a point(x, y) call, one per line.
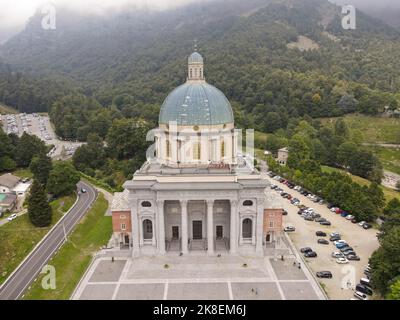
point(196, 67)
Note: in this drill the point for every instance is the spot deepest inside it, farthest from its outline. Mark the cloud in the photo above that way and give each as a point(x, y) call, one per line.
point(15, 13)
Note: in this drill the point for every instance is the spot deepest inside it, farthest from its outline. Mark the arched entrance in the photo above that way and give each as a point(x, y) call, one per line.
point(147, 229)
point(247, 228)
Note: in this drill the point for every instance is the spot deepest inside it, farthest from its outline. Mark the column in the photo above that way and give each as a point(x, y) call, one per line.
point(210, 227)
point(184, 221)
point(135, 228)
point(233, 238)
point(260, 225)
point(161, 226)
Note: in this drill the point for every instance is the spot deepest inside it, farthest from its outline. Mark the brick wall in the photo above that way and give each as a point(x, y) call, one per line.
point(274, 215)
point(119, 218)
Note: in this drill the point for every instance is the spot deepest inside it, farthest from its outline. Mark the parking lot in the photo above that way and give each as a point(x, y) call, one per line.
point(364, 242)
point(199, 277)
point(39, 125)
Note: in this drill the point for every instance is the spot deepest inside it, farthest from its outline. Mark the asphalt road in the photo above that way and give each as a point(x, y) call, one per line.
point(21, 279)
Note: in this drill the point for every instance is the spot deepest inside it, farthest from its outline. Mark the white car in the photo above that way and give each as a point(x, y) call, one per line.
point(350, 217)
point(339, 241)
point(335, 234)
point(361, 223)
point(297, 188)
point(289, 229)
point(342, 261)
point(12, 217)
point(361, 296)
point(333, 209)
point(337, 255)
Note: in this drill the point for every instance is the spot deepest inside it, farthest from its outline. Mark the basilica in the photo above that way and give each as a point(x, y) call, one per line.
point(197, 191)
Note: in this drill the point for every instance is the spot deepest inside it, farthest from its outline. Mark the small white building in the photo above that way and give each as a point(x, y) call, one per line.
point(283, 155)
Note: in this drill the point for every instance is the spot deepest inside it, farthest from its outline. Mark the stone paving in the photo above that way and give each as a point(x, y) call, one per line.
point(196, 277)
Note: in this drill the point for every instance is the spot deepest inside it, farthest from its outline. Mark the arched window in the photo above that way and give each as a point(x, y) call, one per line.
point(223, 148)
point(197, 151)
point(247, 228)
point(146, 204)
point(201, 73)
point(191, 73)
point(147, 229)
point(168, 148)
point(248, 203)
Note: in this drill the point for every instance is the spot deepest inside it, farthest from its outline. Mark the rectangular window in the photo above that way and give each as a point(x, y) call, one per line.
point(271, 224)
point(123, 227)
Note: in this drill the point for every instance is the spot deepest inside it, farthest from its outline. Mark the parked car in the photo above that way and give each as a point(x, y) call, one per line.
point(306, 249)
point(308, 218)
point(341, 245)
point(342, 260)
point(274, 186)
point(361, 296)
point(323, 241)
point(354, 220)
point(320, 234)
point(337, 254)
point(353, 257)
point(350, 253)
point(361, 223)
point(367, 226)
point(334, 238)
point(325, 223)
point(324, 274)
point(363, 289)
point(350, 217)
point(320, 219)
point(365, 282)
point(12, 217)
point(346, 248)
point(335, 234)
point(311, 254)
point(284, 212)
point(339, 241)
point(289, 229)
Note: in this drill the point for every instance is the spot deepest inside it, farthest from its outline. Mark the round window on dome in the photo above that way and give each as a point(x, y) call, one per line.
point(196, 128)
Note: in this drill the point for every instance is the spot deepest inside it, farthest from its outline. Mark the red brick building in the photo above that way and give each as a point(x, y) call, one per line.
point(273, 226)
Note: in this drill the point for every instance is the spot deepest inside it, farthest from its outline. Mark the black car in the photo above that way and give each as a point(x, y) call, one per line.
point(284, 212)
point(346, 248)
point(364, 289)
point(325, 223)
point(309, 218)
point(324, 274)
point(350, 253)
point(323, 241)
point(300, 212)
point(311, 254)
point(320, 219)
point(320, 234)
point(273, 187)
point(367, 226)
point(284, 194)
point(306, 249)
point(353, 257)
point(335, 238)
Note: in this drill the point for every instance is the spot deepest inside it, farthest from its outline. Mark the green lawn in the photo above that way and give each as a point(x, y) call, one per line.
point(390, 157)
point(372, 129)
point(74, 257)
point(19, 237)
point(389, 193)
point(23, 173)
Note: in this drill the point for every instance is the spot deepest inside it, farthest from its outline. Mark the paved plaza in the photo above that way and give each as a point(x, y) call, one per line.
point(198, 277)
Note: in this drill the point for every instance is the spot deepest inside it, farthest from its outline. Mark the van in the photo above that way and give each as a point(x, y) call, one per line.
point(364, 289)
point(365, 282)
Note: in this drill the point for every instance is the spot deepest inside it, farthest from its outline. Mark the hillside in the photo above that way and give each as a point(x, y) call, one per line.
point(133, 59)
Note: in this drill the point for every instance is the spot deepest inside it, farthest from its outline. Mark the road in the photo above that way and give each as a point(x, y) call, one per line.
point(21, 279)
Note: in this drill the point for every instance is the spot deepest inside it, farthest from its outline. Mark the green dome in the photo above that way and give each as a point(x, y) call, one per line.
point(196, 103)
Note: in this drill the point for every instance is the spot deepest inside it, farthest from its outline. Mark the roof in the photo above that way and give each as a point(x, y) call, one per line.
point(7, 199)
point(8, 180)
point(22, 187)
point(195, 57)
point(196, 103)
point(120, 201)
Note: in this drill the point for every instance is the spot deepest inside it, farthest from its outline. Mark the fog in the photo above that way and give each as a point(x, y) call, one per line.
point(15, 13)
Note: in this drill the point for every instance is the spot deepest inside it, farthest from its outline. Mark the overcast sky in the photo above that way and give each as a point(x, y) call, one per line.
point(15, 13)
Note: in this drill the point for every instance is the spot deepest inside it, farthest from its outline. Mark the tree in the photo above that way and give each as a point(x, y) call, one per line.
point(62, 179)
point(273, 144)
point(345, 153)
point(91, 155)
point(394, 293)
point(40, 167)
point(392, 208)
point(39, 210)
point(27, 147)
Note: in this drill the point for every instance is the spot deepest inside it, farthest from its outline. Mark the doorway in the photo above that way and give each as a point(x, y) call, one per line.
point(220, 232)
point(175, 233)
point(197, 230)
